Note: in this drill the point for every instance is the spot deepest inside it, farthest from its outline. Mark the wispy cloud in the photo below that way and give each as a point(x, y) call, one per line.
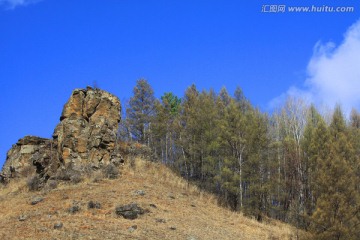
point(333, 74)
point(12, 4)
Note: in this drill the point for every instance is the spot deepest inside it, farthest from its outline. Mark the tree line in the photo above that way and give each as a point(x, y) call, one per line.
point(294, 165)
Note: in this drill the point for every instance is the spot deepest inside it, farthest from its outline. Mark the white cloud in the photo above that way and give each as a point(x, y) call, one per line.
point(11, 4)
point(333, 74)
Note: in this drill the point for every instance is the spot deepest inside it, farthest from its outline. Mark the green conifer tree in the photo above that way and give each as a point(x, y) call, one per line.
point(336, 215)
point(311, 145)
point(141, 111)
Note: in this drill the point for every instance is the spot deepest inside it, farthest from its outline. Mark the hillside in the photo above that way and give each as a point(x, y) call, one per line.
point(68, 186)
point(173, 210)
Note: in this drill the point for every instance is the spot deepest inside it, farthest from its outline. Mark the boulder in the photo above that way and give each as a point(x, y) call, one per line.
point(58, 225)
point(30, 154)
point(140, 192)
point(132, 228)
point(93, 204)
point(74, 208)
point(130, 211)
point(23, 217)
point(36, 200)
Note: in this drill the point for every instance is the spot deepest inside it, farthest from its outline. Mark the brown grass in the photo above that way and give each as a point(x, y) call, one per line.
point(180, 205)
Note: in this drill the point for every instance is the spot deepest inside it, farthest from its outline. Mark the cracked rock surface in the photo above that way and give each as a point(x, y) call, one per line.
point(88, 127)
point(86, 135)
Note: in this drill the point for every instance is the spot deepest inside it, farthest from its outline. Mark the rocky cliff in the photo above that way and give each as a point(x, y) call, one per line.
point(85, 136)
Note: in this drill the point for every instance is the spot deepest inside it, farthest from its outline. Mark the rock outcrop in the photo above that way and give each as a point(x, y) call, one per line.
point(85, 136)
point(29, 155)
point(88, 128)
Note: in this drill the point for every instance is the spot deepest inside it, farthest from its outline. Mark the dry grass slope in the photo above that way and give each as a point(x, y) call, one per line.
point(177, 211)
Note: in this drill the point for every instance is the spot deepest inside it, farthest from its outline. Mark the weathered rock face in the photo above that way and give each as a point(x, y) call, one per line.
point(88, 127)
point(85, 135)
point(31, 154)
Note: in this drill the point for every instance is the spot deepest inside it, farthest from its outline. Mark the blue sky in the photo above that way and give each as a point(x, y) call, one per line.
point(49, 47)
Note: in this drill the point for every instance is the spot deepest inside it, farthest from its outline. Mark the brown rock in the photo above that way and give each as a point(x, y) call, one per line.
point(28, 155)
point(75, 104)
point(88, 127)
point(86, 135)
point(129, 211)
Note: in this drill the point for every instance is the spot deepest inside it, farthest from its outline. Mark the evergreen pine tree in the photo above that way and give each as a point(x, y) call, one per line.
point(337, 199)
point(164, 130)
point(311, 144)
point(140, 112)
